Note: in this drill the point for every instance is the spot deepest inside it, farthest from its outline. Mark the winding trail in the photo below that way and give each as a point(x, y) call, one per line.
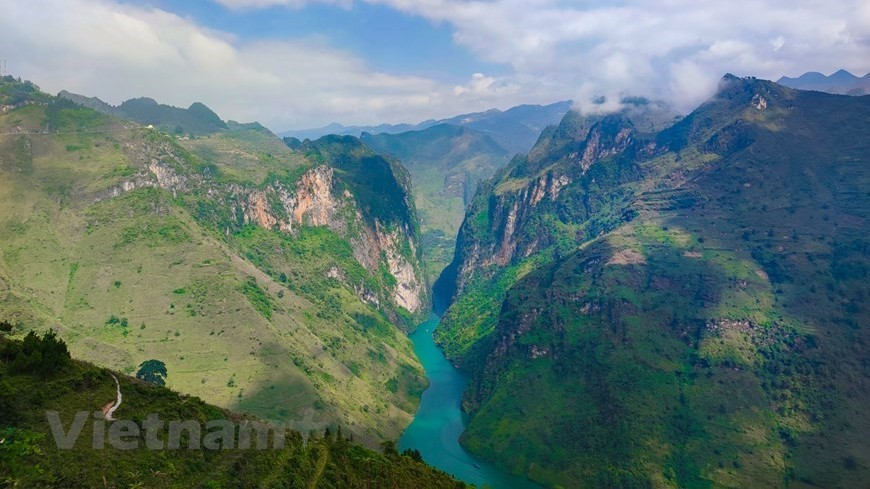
point(109, 409)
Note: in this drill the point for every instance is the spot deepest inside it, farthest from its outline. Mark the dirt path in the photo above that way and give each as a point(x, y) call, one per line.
point(110, 408)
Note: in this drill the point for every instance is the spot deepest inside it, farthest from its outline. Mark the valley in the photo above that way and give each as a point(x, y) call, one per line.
point(623, 298)
point(439, 421)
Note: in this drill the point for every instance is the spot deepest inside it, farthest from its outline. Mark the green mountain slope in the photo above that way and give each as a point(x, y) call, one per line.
point(678, 309)
point(445, 163)
point(196, 120)
point(30, 457)
point(267, 280)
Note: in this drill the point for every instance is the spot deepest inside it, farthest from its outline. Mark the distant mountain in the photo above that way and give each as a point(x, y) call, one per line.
point(515, 129)
point(842, 83)
point(342, 130)
point(196, 120)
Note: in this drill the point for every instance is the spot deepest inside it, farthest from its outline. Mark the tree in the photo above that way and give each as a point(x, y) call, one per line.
point(55, 354)
point(389, 448)
point(43, 356)
point(414, 454)
point(153, 371)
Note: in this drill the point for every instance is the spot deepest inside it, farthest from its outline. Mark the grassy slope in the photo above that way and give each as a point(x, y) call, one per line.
point(273, 349)
point(30, 458)
point(714, 340)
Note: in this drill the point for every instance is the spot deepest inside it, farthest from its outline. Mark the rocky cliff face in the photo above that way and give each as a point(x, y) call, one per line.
point(504, 224)
point(267, 280)
point(316, 198)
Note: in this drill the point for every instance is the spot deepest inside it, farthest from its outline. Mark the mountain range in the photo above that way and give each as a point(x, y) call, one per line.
point(638, 299)
point(267, 280)
point(515, 129)
point(841, 82)
point(196, 120)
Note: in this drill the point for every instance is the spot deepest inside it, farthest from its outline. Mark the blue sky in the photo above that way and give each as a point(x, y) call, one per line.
point(303, 63)
point(389, 40)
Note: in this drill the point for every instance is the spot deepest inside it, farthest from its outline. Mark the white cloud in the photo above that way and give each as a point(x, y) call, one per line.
point(556, 49)
point(644, 46)
point(113, 51)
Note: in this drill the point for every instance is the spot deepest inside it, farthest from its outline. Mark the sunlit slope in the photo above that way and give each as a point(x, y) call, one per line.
point(136, 249)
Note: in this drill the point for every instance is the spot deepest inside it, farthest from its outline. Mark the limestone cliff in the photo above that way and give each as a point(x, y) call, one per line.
point(380, 225)
point(510, 217)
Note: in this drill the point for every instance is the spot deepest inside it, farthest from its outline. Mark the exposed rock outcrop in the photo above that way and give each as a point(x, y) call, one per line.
point(512, 201)
point(316, 199)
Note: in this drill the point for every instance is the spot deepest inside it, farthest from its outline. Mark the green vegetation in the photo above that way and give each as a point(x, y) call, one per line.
point(107, 227)
point(380, 185)
point(259, 299)
point(153, 371)
point(29, 456)
point(34, 355)
point(684, 311)
point(197, 120)
point(16, 92)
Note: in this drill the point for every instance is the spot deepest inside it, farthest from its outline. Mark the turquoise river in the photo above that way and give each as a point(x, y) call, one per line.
point(440, 420)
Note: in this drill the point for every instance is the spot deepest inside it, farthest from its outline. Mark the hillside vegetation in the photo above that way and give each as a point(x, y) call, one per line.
point(30, 457)
point(196, 120)
point(684, 308)
point(267, 280)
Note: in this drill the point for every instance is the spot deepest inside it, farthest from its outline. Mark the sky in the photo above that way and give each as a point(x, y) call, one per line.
point(293, 64)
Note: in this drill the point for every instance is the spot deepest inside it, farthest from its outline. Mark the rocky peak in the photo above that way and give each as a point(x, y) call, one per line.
point(518, 199)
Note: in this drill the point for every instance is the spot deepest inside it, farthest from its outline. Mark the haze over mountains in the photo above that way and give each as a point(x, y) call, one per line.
point(841, 82)
point(515, 129)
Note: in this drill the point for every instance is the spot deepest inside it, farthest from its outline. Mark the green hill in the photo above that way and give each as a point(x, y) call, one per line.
point(269, 281)
point(31, 457)
point(683, 308)
point(196, 120)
